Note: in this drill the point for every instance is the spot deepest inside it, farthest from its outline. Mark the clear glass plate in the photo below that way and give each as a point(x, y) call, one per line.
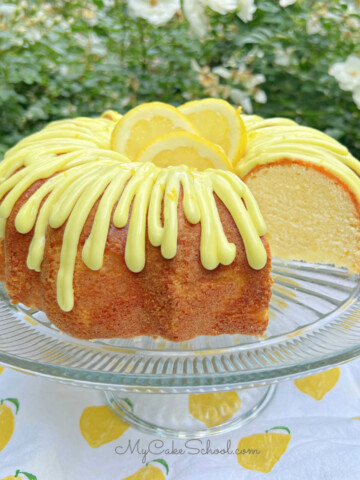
point(314, 324)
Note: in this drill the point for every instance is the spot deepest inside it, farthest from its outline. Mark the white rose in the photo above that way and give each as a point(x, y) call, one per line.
point(195, 66)
point(282, 58)
point(260, 96)
point(222, 72)
point(251, 81)
point(221, 6)
point(194, 11)
point(313, 25)
point(246, 10)
point(240, 97)
point(356, 97)
point(33, 35)
point(286, 3)
point(347, 73)
point(156, 12)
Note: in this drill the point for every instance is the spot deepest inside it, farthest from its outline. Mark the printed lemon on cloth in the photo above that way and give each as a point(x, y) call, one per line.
point(262, 451)
point(319, 384)
point(150, 471)
point(183, 148)
point(220, 123)
point(214, 408)
point(19, 475)
point(142, 124)
point(1, 369)
point(7, 420)
point(100, 425)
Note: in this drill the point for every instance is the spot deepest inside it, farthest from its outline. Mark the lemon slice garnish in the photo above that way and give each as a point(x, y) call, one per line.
point(183, 148)
point(111, 115)
point(144, 123)
point(219, 122)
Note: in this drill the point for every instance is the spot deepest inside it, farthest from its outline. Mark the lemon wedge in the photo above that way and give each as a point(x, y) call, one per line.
point(184, 148)
point(143, 123)
point(111, 115)
point(220, 123)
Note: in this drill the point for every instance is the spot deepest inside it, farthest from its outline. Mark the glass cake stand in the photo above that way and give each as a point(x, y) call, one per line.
point(314, 324)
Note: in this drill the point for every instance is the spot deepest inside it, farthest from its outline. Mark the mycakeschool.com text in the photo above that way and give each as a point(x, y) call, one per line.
point(189, 447)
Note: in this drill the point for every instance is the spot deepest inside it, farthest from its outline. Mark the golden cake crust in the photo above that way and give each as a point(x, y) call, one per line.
point(176, 299)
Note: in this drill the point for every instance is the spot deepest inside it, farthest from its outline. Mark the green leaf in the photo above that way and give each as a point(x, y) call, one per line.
point(128, 401)
point(257, 36)
point(268, 7)
point(278, 428)
point(15, 401)
point(163, 462)
point(30, 476)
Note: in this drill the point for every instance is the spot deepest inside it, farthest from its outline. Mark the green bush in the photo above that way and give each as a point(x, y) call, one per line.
point(70, 58)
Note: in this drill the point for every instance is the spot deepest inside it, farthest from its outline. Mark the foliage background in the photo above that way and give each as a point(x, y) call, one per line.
point(70, 58)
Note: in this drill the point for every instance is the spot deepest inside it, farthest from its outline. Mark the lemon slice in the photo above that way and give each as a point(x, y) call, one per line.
point(111, 115)
point(219, 122)
point(145, 122)
point(183, 148)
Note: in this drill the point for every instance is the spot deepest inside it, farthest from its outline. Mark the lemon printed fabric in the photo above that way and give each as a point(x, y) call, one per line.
point(53, 431)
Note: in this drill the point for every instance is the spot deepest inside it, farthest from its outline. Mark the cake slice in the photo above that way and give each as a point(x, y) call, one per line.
point(308, 190)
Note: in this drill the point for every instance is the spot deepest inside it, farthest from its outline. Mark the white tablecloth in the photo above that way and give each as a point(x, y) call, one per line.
point(57, 435)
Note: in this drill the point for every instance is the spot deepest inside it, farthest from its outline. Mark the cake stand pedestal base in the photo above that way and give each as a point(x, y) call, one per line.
point(184, 416)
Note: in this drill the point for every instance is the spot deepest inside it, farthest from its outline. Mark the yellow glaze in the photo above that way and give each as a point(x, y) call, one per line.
point(81, 172)
point(275, 139)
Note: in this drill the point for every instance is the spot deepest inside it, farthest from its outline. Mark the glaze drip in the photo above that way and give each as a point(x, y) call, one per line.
point(80, 172)
point(276, 139)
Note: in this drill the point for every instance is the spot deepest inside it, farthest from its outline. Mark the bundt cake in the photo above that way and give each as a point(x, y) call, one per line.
point(308, 190)
point(140, 225)
point(112, 248)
